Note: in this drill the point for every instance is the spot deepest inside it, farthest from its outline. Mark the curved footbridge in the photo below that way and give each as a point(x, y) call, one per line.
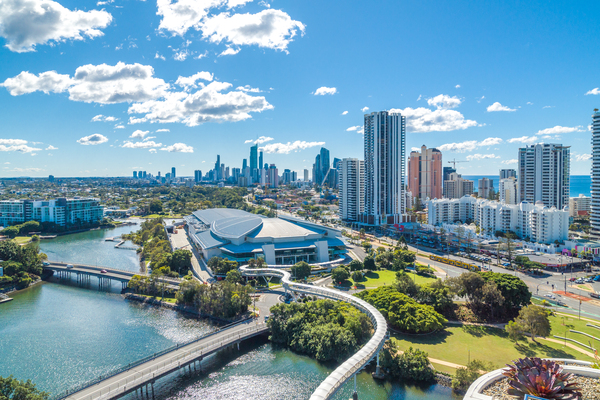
point(144, 373)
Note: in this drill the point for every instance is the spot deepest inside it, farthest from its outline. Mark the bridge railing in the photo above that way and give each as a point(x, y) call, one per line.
point(144, 360)
point(109, 269)
point(154, 371)
point(358, 361)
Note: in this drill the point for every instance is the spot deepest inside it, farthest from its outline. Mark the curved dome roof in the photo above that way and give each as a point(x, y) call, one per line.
point(236, 227)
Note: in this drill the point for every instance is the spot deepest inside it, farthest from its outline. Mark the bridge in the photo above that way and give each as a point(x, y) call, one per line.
point(358, 361)
point(83, 273)
point(144, 373)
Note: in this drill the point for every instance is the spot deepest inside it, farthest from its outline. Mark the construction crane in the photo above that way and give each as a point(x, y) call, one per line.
point(454, 162)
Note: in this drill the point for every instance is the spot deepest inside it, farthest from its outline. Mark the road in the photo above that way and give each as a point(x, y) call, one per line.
point(179, 241)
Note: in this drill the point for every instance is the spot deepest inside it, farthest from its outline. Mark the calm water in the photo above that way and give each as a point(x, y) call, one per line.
point(580, 184)
point(61, 335)
point(91, 248)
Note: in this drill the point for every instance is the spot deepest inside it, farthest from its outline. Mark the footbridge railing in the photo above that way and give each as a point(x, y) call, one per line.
point(358, 361)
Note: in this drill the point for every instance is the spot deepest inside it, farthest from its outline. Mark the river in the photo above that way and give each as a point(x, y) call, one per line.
point(61, 335)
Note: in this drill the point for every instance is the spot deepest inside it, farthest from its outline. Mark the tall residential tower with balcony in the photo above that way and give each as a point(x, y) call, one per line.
point(595, 206)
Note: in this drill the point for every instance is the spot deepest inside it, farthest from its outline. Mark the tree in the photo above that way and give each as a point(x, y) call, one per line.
point(355, 265)
point(507, 244)
point(404, 284)
point(491, 296)
point(11, 232)
point(234, 276)
point(435, 294)
point(515, 331)
point(415, 366)
point(367, 246)
point(14, 389)
point(357, 276)
point(340, 274)
point(534, 320)
point(181, 261)
point(515, 292)
point(466, 376)
point(301, 270)
point(257, 263)
point(369, 263)
point(156, 206)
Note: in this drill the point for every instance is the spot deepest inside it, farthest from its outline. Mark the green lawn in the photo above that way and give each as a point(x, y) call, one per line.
point(375, 279)
point(166, 299)
point(487, 344)
point(22, 239)
point(574, 323)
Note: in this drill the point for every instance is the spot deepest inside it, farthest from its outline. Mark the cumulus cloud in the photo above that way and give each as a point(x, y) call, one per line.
point(152, 150)
point(104, 84)
point(94, 139)
point(139, 134)
point(509, 162)
point(50, 147)
point(260, 140)
point(208, 104)
point(286, 148)
point(272, 29)
point(471, 157)
point(441, 120)
point(230, 51)
point(178, 148)
point(559, 129)
point(248, 89)
point(345, 112)
point(593, 91)
point(18, 145)
point(364, 109)
point(120, 126)
point(104, 118)
point(457, 86)
point(499, 107)
point(469, 145)
point(146, 144)
point(358, 129)
point(27, 23)
point(163, 130)
point(524, 140)
point(161, 57)
point(153, 97)
point(323, 90)
point(444, 101)
point(583, 157)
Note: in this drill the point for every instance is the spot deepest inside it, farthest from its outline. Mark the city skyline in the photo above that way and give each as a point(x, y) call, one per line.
point(295, 92)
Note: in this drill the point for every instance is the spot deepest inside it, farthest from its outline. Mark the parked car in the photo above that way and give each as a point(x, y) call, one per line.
point(551, 296)
point(506, 265)
point(572, 279)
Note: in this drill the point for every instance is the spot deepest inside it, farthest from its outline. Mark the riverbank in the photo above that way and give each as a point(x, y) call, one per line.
point(190, 311)
point(13, 289)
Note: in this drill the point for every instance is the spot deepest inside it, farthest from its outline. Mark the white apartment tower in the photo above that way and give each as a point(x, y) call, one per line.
point(544, 174)
point(385, 142)
point(509, 191)
point(351, 182)
point(457, 187)
point(595, 206)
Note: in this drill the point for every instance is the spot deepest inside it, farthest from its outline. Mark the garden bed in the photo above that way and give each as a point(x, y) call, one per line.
point(590, 389)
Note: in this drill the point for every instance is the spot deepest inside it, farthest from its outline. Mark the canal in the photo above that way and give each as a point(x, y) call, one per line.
point(61, 335)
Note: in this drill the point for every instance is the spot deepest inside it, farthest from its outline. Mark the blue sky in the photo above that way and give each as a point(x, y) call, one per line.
point(102, 88)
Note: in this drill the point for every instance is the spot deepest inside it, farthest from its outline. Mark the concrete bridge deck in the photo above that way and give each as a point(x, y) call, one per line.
point(146, 373)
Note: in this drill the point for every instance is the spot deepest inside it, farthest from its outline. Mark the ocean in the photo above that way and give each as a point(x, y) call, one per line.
point(580, 184)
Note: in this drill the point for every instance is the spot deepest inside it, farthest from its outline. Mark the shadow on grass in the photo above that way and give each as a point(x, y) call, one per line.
point(480, 331)
point(433, 338)
point(543, 350)
point(372, 275)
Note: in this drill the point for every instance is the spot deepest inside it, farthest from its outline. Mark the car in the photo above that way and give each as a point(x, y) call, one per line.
point(69, 266)
point(266, 318)
point(45, 263)
point(104, 271)
point(551, 296)
point(506, 265)
point(587, 280)
point(572, 279)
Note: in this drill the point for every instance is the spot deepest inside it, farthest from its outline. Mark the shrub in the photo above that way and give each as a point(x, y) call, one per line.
point(466, 376)
point(357, 276)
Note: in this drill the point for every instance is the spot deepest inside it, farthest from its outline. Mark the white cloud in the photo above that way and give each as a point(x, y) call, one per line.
point(179, 148)
point(27, 23)
point(583, 157)
point(559, 129)
point(499, 107)
point(163, 130)
point(529, 103)
point(469, 145)
point(141, 145)
point(50, 147)
point(415, 149)
point(152, 150)
point(208, 104)
point(523, 139)
point(457, 86)
point(509, 162)
point(94, 139)
point(229, 51)
point(444, 101)
point(181, 55)
point(345, 112)
point(480, 99)
point(248, 89)
point(286, 148)
point(364, 109)
point(159, 56)
point(323, 90)
point(104, 84)
point(139, 134)
point(547, 107)
point(260, 140)
point(593, 91)
point(30, 169)
point(471, 157)
point(104, 118)
point(441, 120)
point(272, 29)
point(190, 81)
point(120, 126)
point(358, 128)
point(18, 145)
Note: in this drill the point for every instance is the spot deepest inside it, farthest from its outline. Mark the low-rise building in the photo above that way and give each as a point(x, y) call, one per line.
point(579, 206)
point(528, 221)
point(62, 211)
